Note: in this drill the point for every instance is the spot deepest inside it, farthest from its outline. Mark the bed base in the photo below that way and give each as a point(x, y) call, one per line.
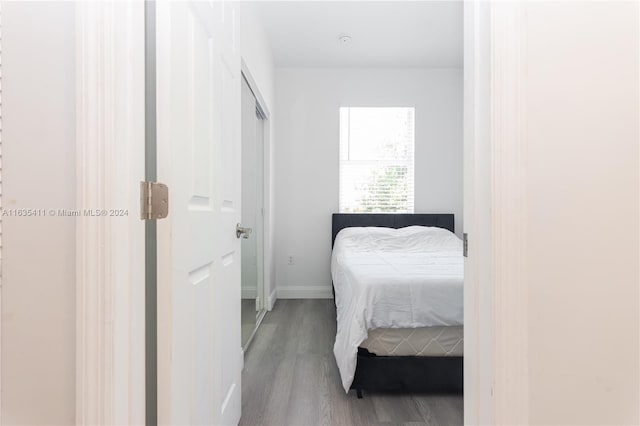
point(416, 374)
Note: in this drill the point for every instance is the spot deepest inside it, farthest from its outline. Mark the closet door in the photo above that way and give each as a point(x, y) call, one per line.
point(249, 270)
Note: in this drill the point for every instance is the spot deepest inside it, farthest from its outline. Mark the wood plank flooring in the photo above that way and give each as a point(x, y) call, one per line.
point(290, 377)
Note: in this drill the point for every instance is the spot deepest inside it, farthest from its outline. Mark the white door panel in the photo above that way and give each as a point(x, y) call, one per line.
point(198, 252)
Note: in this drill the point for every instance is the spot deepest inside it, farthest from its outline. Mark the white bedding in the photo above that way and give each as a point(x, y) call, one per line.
point(393, 278)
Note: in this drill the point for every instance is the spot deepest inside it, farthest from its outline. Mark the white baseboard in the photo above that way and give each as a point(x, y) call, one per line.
point(305, 292)
point(271, 299)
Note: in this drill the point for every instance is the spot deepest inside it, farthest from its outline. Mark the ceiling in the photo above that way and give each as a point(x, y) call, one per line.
point(383, 33)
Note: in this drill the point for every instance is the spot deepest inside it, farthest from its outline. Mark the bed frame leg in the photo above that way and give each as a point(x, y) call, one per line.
point(359, 393)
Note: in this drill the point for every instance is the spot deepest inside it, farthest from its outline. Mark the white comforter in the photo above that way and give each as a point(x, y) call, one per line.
point(393, 278)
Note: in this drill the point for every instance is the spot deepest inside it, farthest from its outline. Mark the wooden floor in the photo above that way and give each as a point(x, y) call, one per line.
point(290, 377)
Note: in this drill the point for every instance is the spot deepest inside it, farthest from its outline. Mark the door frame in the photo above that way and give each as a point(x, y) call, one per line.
point(110, 304)
point(496, 309)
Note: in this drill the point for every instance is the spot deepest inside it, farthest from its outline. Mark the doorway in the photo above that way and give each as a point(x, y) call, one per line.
point(226, 258)
point(252, 259)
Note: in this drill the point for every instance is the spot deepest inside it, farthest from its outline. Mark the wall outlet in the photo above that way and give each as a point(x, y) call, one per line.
point(290, 259)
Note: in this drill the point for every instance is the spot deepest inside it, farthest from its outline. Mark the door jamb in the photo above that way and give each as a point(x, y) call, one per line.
point(509, 216)
point(109, 249)
point(496, 338)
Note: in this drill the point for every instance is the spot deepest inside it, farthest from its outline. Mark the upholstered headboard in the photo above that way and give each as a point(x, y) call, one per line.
point(389, 220)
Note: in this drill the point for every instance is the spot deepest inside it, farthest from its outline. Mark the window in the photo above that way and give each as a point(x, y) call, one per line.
point(376, 160)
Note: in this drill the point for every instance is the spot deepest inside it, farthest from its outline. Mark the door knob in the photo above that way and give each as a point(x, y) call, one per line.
point(242, 231)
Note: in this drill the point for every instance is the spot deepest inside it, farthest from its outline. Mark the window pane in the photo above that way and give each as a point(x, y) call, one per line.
point(376, 160)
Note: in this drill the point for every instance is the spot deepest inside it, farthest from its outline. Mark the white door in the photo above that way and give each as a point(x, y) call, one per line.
point(198, 124)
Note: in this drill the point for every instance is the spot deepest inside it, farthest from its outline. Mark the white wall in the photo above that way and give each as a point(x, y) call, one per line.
point(38, 168)
point(583, 243)
point(255, 50)
point(307, 163)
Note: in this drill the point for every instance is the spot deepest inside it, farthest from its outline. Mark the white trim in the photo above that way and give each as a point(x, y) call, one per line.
point(254, 88)
point(268, 281)
point(508, 246)
point(496, 316)
point(1, 371)
point(271, 299)
point(305, 292)
point(477, 287)
point(110, 250)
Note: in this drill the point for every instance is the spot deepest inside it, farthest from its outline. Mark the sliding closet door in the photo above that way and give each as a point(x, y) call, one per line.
point(249, 270)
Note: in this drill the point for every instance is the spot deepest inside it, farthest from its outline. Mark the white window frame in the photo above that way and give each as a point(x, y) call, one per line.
point(380, 164)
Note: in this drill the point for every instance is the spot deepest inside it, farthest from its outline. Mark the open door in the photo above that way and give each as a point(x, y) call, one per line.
point(198, 152)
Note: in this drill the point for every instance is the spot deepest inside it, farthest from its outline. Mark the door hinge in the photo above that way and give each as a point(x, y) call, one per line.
point(465, 245)
point(154, 200)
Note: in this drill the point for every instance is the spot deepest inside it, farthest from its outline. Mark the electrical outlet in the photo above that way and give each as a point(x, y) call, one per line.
point(290, 259)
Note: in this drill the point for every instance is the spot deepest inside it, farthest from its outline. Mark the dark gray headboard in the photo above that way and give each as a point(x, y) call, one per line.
point(389, 220)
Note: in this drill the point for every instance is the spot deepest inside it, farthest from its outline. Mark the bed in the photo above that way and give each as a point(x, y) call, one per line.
point(398, 295)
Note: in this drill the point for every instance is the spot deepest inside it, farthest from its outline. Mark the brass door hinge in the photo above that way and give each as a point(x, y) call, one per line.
point(154, 200)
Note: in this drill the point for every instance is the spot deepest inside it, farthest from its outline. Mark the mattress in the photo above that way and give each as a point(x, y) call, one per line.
point(393, 278)
point(422, 341)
